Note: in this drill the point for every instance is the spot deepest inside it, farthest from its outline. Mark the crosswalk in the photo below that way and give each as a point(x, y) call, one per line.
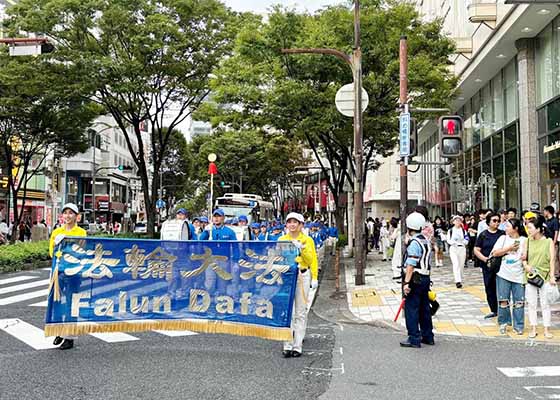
point(27, 289)
point(550, 392)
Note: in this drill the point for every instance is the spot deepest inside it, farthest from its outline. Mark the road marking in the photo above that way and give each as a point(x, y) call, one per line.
point(16, 279)
point(177, 333)
point(544, 392)
point(27, 333)
point(524, 372)
point(24, 286)
point(40, 304)
point(114, 337)
point(24, 296)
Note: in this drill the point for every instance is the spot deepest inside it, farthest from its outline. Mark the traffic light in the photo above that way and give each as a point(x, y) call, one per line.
point(413, 138)
point(124, 167)
point(222, 184)
point(450, 136)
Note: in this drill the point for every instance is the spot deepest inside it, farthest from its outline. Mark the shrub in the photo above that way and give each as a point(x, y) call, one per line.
point(28, 255)
point(342, 241)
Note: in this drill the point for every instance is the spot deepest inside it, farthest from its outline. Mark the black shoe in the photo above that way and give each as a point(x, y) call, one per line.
point(287, 353)
point(406, 343)
point(428, 342)
point(296, 354)
point(459, 285)
point(57, 340)
point(491, 315)
point(67, 344)
point(384, 260)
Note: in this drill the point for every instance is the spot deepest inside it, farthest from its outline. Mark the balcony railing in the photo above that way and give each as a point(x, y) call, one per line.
point(482, 11)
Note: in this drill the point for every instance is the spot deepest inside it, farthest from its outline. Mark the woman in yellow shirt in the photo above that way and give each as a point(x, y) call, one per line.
point(307, 277)
point(70, 227)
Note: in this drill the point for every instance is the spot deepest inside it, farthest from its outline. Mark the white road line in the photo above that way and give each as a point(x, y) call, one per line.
point(177, 333)
point(524, 372)
point(46, 269)
point(40, 304)
point(27, 333)
point(17, 288)
point(24, 297)
point(544, 392)
point(16, 279)
point(114, 337)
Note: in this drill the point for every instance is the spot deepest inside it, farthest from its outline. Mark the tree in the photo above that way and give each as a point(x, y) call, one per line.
point(294, 95)
point(248, 161)
point(40, 113)
point(141, 58)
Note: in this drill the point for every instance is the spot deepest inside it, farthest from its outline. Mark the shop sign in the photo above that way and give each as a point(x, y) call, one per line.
point(552, 147)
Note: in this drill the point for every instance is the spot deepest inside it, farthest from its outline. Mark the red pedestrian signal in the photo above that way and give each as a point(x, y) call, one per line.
point(450, 136)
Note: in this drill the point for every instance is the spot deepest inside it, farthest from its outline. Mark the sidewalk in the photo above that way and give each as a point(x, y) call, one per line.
point(461, 311)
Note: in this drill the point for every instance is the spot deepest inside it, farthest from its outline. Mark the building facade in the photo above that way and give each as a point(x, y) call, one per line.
point(508, 64)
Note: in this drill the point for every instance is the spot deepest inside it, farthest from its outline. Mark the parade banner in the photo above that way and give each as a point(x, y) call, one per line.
point(114, 285)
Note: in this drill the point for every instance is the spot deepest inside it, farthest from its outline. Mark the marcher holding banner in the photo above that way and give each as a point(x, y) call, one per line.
point(70, 227)
point(307, 277)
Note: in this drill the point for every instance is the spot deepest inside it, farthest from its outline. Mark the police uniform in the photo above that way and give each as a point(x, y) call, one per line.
point(308, 272)
point(417, 304)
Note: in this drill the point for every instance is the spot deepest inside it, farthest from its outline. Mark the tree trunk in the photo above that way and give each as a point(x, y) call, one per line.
point(339, 219)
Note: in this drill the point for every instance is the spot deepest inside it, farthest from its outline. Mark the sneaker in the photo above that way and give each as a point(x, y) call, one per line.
point(287, 353)
point(57, 340)
point(491, 315)
point(67, 344)
point(518, 332)
point(459, 285)
point(503, 329)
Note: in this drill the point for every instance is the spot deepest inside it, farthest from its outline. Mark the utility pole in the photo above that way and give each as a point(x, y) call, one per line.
point(403, 101)
point(354, 61)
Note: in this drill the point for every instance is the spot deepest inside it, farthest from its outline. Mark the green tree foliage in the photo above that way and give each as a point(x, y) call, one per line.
point(41, 110)
point(176, 168)
point(141, 58)
point(294, 94)
point(247, 160)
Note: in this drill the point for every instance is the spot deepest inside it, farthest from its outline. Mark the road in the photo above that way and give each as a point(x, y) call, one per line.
point(342, 359)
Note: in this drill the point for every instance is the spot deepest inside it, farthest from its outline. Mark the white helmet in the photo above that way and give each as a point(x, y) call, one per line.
point(415, 221)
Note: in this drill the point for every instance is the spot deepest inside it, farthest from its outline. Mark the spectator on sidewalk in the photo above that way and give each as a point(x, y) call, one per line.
point(503, 220)
point(482, 225)
point(552, 225)
point(416, 285)
point(439, 234)
point(540, 259)
point(457, 238)
point(510, 278)
point(471, 228)
point(482, 249)
point(511, 213)
point(397, 260)
point(384, 239)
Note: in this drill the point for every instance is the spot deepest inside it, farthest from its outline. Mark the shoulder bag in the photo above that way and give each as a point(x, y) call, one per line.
point(533, 278)
point(493, 264)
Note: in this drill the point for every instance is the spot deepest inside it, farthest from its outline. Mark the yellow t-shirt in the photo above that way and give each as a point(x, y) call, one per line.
point(308, 254)
point(75, 231)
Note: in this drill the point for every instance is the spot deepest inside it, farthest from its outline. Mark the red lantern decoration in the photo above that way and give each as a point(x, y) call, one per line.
point(212, 169)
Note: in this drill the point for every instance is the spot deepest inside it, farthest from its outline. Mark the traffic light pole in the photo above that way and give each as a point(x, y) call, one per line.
point(403, 100)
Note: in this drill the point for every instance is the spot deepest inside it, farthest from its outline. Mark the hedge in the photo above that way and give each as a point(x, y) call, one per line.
point(126, 235)
point(28, 255)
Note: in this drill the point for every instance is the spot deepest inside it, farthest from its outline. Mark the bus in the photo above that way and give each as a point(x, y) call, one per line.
point(253, 206)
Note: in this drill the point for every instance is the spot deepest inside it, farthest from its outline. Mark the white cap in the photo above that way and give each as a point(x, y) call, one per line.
point(297, 216)
point(453, 218)
point(72, 207)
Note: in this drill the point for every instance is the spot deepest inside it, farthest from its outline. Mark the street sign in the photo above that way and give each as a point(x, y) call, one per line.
point(344, 100)
point(160, 203)
point(404, 134)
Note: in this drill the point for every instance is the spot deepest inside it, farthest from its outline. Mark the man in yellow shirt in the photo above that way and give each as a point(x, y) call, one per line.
point(307, 277)
point(70, 227)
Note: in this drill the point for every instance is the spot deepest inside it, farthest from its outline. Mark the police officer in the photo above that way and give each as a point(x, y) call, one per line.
point(307, 277)
point(416, 285)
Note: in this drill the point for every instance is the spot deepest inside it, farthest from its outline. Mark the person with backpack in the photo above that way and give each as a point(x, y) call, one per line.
point(482, 249)
point(457, 238)
point(416, 285)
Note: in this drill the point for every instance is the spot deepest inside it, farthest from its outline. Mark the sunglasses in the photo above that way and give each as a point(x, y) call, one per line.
point(494, 220)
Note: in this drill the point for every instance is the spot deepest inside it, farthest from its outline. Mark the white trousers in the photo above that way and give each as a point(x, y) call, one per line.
point(458, 255)
point(384, 243)
point(299, 312)
point(531, 294)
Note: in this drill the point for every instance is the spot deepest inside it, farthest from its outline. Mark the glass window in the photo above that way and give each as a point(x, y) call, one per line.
point(476, 155)
point(487, 167)
point(476, 123)
point(556, 29)
point(468, 159)
point(497, 143)
point(510, 91)
point(553, 115)
point(486, 149)
point(544, 69)
point(497, 98)
point(541, 121)
point(512, 179)
point(499, 194)
point(467, 117)
point(510, 137)
point(486, 112)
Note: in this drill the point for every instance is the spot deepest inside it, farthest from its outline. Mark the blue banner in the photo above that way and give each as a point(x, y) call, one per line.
point(114, 285)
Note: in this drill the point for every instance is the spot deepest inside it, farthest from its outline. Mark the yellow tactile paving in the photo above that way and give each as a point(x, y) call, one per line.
point(365, 297)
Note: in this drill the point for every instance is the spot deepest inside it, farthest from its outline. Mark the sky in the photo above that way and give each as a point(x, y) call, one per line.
point(260, 6)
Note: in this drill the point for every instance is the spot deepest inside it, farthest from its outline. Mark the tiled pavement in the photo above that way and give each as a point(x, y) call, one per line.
point(461, 313)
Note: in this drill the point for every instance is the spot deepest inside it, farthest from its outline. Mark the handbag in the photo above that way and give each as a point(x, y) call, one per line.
point(493, 264)
point(535, 279)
